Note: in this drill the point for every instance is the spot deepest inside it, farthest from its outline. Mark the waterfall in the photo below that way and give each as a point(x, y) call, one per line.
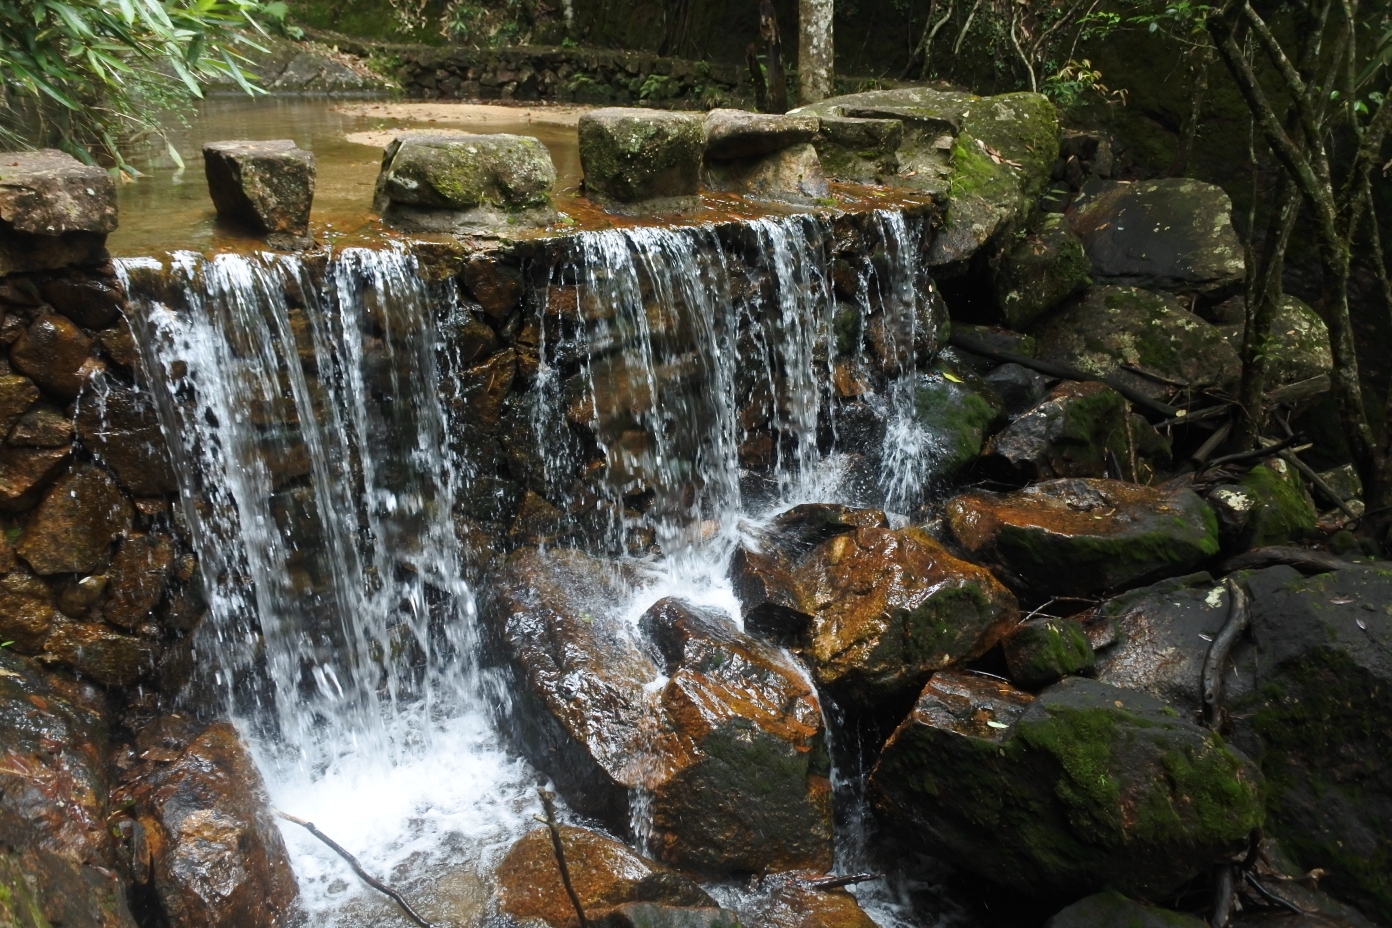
point(682, 392)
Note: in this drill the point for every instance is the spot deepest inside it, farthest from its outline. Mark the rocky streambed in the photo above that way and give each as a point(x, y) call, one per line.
point(835, 565)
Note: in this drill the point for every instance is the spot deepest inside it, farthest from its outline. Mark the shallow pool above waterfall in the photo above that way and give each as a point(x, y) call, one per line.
point(168, 209)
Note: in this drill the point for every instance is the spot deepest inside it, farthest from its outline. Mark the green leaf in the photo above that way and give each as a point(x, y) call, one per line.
point(174, 155)
point(948, 375)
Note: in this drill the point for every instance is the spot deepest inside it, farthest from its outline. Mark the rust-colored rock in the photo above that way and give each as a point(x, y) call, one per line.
point(16, 395)
point(122, 429)
point(497, 287)
point(215, 856)
point(790, 903)
point(97, 651)
point(92, 302)
point(24, 469)
point(40, 888)
point(54, 353)
point(73, 528)
point(26, 611)
point(138, 573)
point(604, 872)
point(43, 426)
point(1077, 537)
point(876, 611)
point(481, 390)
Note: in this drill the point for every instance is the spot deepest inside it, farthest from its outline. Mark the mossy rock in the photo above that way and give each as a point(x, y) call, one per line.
point(1079, 537)
point(1281, 508)
point(1042, 651)
point(1111, 909)
point(1083, 788)
point(1321, 719)
point(1299, 347)
point(958, 410)
point(1115, 326)
point(1042, 269)
point(640, 160)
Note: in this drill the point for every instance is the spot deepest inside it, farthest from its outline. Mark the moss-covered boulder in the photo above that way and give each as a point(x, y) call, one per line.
point(1281, 508)
point(1299, 346)
point(1111, 909)
point(1080, 430)
point(1152, 332)
point(1321, 721)
point(1042, 651)
point(1169, 234)
point(949, 415)
point(641, 160)
point(465, 183)
point(1079, 537)
point(1041, 269)
point(1083, 788)
point(874, 610)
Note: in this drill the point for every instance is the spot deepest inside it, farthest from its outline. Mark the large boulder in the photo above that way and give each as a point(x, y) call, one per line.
point(1321, 720)
point(859, 150)
point(875, 611)
point(1082, 788)
point(1039, 271)
point(1299, 345)
point(1042, 651)
point(604, 874)
point(732, 134)
point(207, 844)
point(641, 160)
point(55, 211)
point(727, 751)
point(1169, 234)
point(1111, 909)
point(52, 780)
point(441, 182)
point(1115, 327)
point(267, 187)
point(943, 423)
point(1079, 537)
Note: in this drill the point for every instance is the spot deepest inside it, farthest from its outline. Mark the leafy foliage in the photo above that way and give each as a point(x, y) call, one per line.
point(90, 75)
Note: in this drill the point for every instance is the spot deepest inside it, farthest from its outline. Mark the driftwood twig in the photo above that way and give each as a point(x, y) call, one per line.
point(836, 882)
point(366, 877)
point(548, 802)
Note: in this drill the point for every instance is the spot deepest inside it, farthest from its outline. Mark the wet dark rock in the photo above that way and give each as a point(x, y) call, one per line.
point(481, 390)
point(50, 193)
point(75, 524)
point(1081, 788)
point(26, 611)
point(497, 287)
point(735, 720)
point(1112, 910)
point(215, 855)
point(1077, 537)
point(792, 175)
point(732, 134)
point(466, 183)
point(956, 410)
point(859, 150)
point(1163, 633)
point(640, 160)
point(43, 426)
point(606, 875)
point(121, 427)
point(138, 575)
point(90, 301)
point(1287, 881)
point(875, 611)
point(1169, 234)
point(52, 781)
point(1268, 506)
point(1115, 326)
point(99, 652)
point(23, 470)
point(786, 901)
point(1299, 345)
point(995, 338)
point(1040, 271)
point(1042, 651)
point(266, 186)
point(653, 915)
point(17, 394)
point(119, 345)
point(55, 353)
point(1081, 430)
point(1320, 717)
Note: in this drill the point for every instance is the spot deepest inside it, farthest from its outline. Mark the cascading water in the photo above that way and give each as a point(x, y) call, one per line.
point(321, 487)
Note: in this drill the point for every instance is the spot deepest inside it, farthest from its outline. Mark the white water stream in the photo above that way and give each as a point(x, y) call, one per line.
point(320, 489)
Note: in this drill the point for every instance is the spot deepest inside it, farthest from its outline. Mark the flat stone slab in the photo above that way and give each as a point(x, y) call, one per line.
point(740, 134)
point(267, 186)
point(50, 192)
point(642, 161)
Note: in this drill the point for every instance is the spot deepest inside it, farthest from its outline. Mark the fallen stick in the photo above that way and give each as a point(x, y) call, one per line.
point(1271, 897)
point(1243, 456)
point(1302, 559)
point(367, 878)
point(1318, 483)
point(1217, 658)
point(548, 803)
point(836, 882)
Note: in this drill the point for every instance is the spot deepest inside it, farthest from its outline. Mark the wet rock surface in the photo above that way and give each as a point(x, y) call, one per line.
point(1111, 909)
point(792, 174)
point(641, 161)
point(55, 353)
point(873, 610)
point(50, 193)
point(732, 134)
point(265, 186)
point(465, 183)
point(1083, 536)
point(1083, 787)
point(1043, 651)
point(212, 852)
point(1170, 234)
point(72, 530)
point(1042, 269)
point(1299, 340)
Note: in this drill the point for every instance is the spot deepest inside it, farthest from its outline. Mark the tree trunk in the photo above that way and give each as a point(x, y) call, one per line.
point(773, 52)
point(816, 63)
point(1263, 298)
point(756, 78)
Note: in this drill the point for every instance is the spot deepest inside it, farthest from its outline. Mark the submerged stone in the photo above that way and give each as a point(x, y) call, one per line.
point(787, 901)
point(1168, 234)
point(641, 160)
point(1082, 788)
point(1078, 537)
point(1152, 332)
point(465, 183)
point(875, 611)
point(267, 186)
